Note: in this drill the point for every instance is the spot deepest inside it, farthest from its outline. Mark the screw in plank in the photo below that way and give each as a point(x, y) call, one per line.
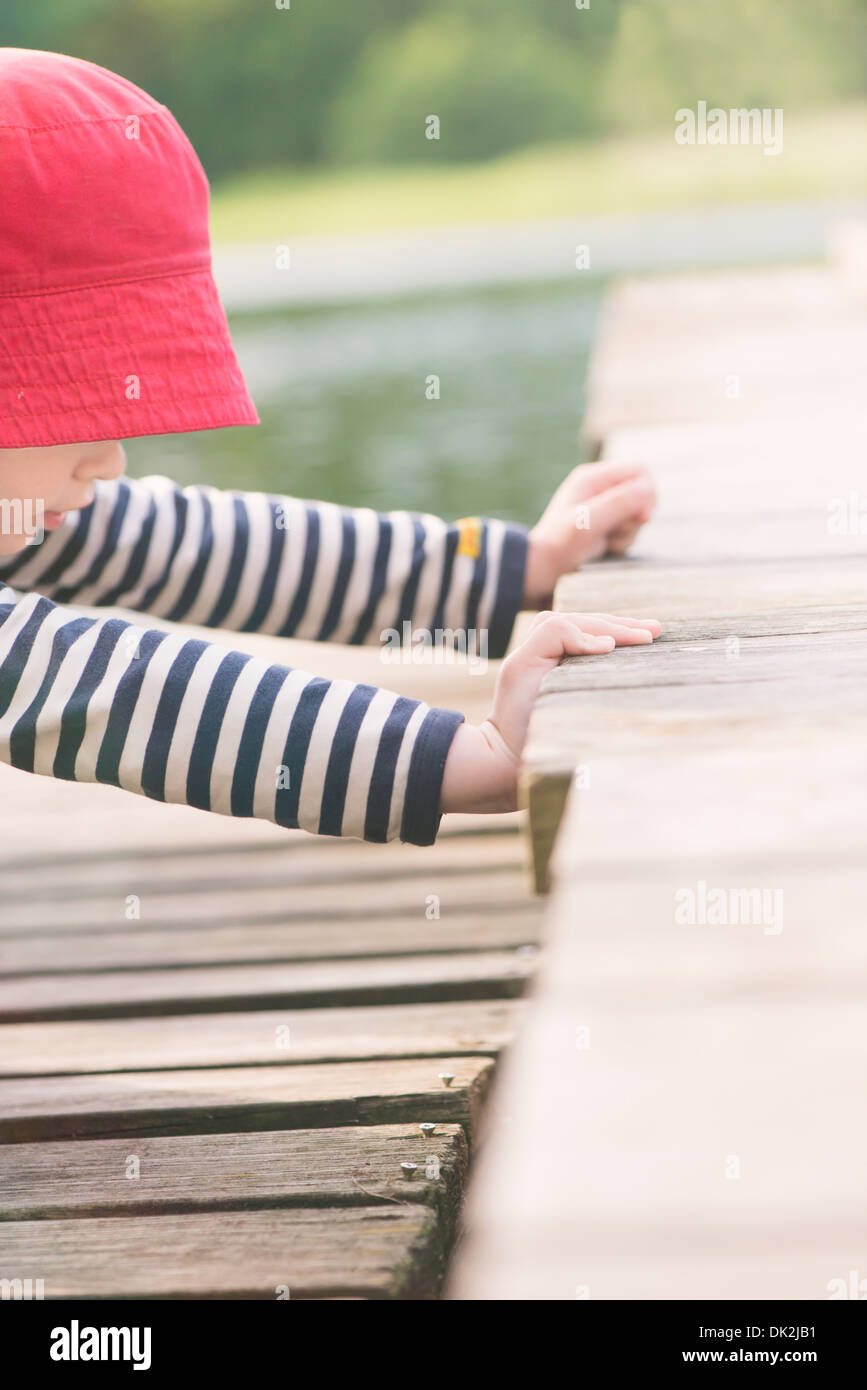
point(447, 1077)
point(427, 1129)
point(409, 1169)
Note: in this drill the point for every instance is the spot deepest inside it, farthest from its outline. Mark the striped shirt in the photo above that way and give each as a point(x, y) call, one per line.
point(182, 720)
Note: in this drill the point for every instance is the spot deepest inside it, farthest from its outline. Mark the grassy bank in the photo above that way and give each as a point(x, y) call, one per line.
point(824, 156)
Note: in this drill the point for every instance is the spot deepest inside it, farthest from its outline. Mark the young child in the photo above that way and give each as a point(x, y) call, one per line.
point(110, 328)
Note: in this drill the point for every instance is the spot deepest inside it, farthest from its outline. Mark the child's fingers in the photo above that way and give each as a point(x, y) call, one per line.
point(624, 634)
point(618, 506)
point(553, 635)
point(652, 624)
point(621, 539)
point(625, 631)
point(592, 478)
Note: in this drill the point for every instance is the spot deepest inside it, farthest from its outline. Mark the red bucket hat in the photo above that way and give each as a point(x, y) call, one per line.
point(110, 322)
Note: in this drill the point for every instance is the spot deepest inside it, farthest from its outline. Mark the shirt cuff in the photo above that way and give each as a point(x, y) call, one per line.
point(510, 590)
point(421, 806)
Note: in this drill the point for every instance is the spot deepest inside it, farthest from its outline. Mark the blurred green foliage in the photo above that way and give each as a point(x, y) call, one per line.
point(352, 81)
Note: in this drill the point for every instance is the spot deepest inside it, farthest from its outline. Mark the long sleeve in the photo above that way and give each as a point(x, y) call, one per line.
point(181, 720)
point(250, 562)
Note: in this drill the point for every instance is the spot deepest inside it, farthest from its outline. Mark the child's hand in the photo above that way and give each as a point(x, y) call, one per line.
point(599, 508)
point(481, 772)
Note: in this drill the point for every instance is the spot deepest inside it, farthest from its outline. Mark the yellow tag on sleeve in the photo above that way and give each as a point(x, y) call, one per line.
point(469, 536)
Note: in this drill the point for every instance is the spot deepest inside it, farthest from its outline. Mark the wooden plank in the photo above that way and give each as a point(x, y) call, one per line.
point(714, 659)
point(796, 390)
point(502, 890)
point(256, 1038)
point(191, 870)
point(368, 1252)
point(763, 532)
point(700, 1077)
point(675, 592)
point(700, 689)
point(720, 468)
point(748, 374)
point(544, 789)
point(793, 342)
point(703, 1117)
point(223, 1100)
point(306, 984)
point(752, 489)
point(688, 303)
point(131, 949)
point(680, 1110)
point(356, 1166)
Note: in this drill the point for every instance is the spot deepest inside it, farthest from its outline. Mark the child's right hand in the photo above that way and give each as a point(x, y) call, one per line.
point(481, 772)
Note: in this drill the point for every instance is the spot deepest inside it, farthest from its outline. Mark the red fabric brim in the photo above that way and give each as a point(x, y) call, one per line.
point(113, 361)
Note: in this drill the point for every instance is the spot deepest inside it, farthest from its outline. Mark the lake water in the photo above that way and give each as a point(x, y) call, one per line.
point(341, 392)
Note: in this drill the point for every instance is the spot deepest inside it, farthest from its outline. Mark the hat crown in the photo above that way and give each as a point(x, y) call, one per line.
point(100, 183)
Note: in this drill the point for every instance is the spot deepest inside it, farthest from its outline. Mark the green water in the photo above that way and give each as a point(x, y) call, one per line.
point(341, 392)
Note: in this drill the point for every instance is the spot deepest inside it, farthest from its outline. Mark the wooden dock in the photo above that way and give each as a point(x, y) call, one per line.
point(219, 1040)
point(683, 1115)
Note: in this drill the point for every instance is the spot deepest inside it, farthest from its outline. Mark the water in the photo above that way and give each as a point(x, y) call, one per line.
point(341, 392)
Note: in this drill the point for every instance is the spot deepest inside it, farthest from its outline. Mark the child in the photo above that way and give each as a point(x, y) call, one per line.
point(110, 328)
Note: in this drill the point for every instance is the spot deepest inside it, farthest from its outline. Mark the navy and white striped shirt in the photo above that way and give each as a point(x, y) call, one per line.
point(178, 719)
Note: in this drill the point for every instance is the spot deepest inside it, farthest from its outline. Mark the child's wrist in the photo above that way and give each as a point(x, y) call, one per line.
point(480, 773)
point(538, 578)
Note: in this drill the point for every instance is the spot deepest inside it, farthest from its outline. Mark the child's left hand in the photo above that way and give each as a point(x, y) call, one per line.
point(599, 508)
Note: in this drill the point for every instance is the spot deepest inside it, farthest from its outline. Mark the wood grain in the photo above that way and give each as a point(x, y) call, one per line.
point(31, 953)
point(200, 905)
point(355, 1166)
point(680, 1116)
point(308, 984)
point(257, 1038)
point(368, 1252)
point(225, 1100)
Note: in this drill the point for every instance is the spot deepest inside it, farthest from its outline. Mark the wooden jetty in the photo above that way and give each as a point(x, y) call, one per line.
point(219, 1040)
point(682, 1115)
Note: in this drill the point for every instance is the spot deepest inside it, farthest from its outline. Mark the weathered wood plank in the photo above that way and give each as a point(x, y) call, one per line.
point(745, 589)
point(356, 1166)
point(241, 1099)
point(132, 949)
point(689, 303)
point(788, 800)
point(369, 1252)
point(700, 1075)
point(784, 344)
point(747, 373)
point(502, 889)
point(714, 659)
point(300, 867)
point(679, 1113)
point(752, 489)
point(256, 1038)
point(311, 984)
point(698, 690)
point(697, 1120)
